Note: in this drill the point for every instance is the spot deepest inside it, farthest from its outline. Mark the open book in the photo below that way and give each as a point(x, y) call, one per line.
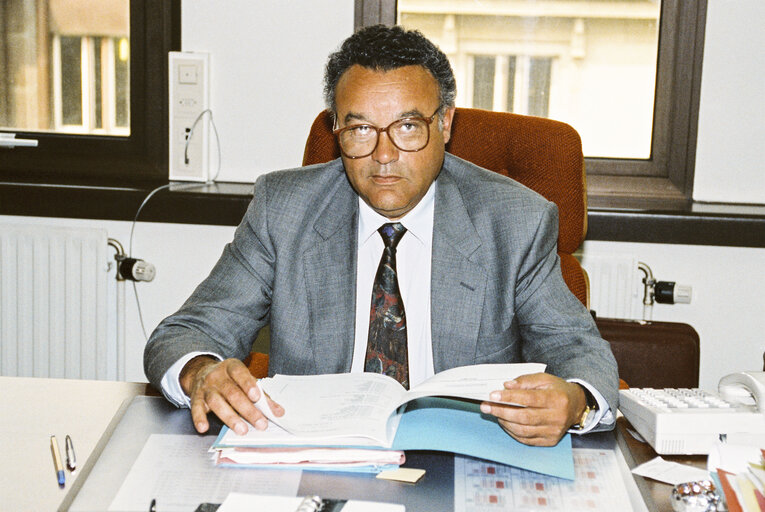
point(364, 409)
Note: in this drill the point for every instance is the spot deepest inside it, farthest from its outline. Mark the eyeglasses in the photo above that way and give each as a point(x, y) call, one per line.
point(407, 134)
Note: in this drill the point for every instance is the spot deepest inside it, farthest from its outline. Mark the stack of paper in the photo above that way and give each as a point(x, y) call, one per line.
point(276, 448)
point(364, 421)
point(744, 486)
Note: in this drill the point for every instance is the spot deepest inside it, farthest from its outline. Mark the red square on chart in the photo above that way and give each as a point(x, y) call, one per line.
point(493, 499)
point(542, 501)
point(491, 470)
point(500, 484)
point(591, 475)
point(539, 486)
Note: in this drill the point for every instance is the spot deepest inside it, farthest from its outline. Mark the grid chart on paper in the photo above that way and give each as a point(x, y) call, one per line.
point(481, 486)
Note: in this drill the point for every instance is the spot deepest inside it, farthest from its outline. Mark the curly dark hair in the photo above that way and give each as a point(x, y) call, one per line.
point(385, 48)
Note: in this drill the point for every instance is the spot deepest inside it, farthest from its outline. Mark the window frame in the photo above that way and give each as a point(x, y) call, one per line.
point(666, 178)
point(103, 160)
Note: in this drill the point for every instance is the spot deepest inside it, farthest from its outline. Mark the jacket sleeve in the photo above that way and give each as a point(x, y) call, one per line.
point(555, 326)
point(226, 311)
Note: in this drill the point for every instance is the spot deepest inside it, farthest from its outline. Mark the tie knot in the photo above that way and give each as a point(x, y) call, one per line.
point(391, 233)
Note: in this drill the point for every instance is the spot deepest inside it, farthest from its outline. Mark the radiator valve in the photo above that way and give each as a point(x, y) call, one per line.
point(663, 292)
point(667, 292)
point(131, 269)
point(136, 270)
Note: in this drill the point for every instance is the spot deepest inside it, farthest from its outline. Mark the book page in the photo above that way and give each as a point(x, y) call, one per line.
point(360, 404)
point(335, 405)
point(473, 382)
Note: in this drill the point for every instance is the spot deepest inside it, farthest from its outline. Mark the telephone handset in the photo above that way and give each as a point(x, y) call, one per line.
point(747, 388)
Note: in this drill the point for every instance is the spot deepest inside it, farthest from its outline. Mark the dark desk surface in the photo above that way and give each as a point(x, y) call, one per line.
point(655, 494)
point(131, 428)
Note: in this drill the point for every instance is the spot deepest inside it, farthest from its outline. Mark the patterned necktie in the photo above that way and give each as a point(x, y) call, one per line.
point(386, 347)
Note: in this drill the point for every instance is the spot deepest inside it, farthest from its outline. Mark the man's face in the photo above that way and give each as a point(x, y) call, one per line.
point(389, 180)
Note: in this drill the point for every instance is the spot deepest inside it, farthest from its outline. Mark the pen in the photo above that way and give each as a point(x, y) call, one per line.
point(57, 461)
point(71, 458)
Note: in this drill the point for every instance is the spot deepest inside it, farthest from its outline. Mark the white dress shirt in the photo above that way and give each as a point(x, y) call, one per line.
point(413, 260)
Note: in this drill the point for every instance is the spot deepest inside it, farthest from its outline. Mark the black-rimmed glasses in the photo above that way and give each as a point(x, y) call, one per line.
point(407, 134)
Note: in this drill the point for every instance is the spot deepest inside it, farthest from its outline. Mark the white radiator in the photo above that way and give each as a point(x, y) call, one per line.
point(53, 303)
point(616, 288)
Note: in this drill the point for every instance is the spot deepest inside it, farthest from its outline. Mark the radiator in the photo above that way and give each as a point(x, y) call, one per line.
point(616, 289)
point(53, 303)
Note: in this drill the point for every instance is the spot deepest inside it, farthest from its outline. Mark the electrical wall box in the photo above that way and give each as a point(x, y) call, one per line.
point(189, 98)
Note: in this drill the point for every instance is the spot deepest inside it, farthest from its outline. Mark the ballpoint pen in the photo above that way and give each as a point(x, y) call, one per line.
point(71, 458)
point(57, 461)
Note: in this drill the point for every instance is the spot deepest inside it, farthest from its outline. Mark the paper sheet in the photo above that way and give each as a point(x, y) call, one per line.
point(670, 472)
point(178, 471)
point(481, 486)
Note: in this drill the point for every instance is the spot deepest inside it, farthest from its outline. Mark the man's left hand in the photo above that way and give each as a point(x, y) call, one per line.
point(552, 407)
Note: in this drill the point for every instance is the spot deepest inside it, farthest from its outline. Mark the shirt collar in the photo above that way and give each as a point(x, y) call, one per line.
point(418, 221)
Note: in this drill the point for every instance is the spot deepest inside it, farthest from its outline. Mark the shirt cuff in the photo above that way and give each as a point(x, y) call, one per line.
point(171, 380)
point(602, 419)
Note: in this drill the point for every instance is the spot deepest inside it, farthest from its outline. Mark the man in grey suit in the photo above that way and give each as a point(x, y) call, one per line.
point(476, 266)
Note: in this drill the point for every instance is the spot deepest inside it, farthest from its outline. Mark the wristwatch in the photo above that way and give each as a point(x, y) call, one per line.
point(592, 406)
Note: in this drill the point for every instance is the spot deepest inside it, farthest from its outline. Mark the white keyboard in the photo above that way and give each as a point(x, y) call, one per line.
point(686, 421)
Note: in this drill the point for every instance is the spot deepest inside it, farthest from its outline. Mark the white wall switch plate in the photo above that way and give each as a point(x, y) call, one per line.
point(189, 96)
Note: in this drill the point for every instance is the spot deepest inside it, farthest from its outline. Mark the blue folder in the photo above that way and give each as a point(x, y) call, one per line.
point(457, 426)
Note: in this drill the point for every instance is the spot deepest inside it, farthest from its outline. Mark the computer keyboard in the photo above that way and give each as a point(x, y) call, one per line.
point(686, 421)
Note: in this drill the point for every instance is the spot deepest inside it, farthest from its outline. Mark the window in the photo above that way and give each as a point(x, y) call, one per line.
point(624, 73)
point(87, 79)
point(509, 83)
point(91, 85)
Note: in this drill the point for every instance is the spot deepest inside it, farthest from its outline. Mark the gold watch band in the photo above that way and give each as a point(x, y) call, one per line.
point(591, 406)
point(583, 419)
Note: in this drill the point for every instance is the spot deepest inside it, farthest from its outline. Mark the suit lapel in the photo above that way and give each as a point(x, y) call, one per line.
point(330, 270)
point(458, 283)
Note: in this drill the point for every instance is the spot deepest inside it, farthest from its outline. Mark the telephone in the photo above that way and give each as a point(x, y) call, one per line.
point(691, 421)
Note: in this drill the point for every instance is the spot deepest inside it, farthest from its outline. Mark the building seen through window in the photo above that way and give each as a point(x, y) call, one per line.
point(589, 63)
point(65, 66)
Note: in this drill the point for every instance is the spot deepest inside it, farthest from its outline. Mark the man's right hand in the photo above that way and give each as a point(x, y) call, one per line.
point(226, 388)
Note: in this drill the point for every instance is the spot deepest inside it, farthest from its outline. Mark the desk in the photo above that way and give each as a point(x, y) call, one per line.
point(33, 410)
point(84, 410)
point(655, 494)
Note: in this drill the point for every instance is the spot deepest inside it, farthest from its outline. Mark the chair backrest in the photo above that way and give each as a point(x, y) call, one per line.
point(543, 154)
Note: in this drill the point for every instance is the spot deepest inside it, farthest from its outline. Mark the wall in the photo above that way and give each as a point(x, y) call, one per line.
point(266, 72)
point(729, 160)
point(727, 307)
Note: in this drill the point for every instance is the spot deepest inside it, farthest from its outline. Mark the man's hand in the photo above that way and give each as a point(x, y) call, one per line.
point(226, 388)
point(552, 406)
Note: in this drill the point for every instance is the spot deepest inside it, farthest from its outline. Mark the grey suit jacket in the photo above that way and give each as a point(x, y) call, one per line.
point(497, 294)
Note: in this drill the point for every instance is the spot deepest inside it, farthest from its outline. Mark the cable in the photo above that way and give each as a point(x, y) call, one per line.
point(130, 254)
point(130, 248)
point(217, 141)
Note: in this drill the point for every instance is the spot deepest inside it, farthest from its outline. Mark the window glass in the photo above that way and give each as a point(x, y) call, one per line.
point(590, 63)
point(64, 66)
